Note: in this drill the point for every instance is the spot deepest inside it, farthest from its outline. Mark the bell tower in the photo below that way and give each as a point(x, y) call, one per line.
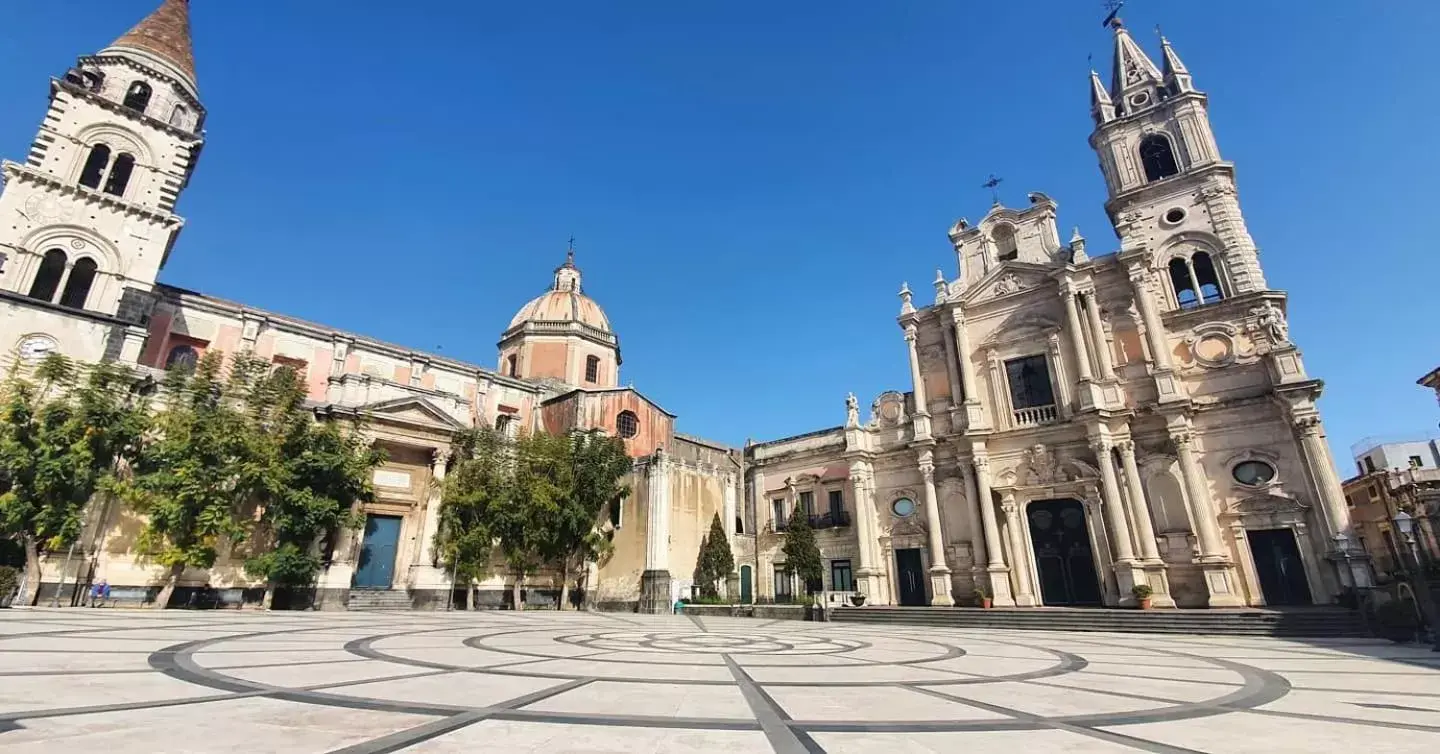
point(1167, 184)
point(88, 219)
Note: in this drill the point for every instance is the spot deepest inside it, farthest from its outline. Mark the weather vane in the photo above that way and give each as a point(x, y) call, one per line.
point(994, 185)
point(1113, 6)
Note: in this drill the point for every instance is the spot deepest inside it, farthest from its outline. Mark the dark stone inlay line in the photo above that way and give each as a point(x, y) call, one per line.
point(1103, 735)
point(771, 717)
point(411, 736)
point(698, 624)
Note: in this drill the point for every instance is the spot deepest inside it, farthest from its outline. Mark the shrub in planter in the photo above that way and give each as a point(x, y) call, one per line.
point(1142, 594)
point(857, 599)
point(9, 585)
point(1396, 620)
point(982, 598)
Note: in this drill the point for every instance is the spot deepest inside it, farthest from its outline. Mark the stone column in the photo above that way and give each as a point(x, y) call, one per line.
point(1019, 556)
point(1156, 573)
point(1322, 469)
point(940, 586)
point(974, 409)
point(655, 581)
point(999, 574)
point(921, 419)
point(1110, 493)
point(1097, 336)
point(1139, 508)
point(1063, 397)
point(1154, 329)
point(1202, 512)
point(977, 530)
point(1077, 338)
point(1220, 580)
point(867, 576)
point(432, 507)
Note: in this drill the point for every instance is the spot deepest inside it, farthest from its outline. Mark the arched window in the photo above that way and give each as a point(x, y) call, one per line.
point(177, 116)
point(120, 174)
point(627, 424)
point(510, 365)
point(1196, 280)
point(1206, 277)
point(1158, 158)
point(592, 368)
point(77, 288)
point(95, 165)
point(47, 280)
point(1167, 504)
point(138, 97)
point(1005, 246)
point(1185, 293)
point(182, 357)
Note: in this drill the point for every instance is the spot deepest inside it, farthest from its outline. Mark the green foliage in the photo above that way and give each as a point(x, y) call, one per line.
point(1141, 591)
point(194, 478)
point(63, 434)
point(715, 561)
point(314, 474)
point(536, 500)
point(802, 556)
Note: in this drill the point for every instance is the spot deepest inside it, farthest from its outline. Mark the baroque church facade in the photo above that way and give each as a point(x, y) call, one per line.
point(1076, 424)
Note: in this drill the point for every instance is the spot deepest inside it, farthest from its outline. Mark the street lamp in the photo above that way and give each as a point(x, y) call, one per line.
point(1419, 584)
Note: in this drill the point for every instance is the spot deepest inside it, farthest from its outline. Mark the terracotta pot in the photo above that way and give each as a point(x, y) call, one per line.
point(1145, 603)
point(985, 603)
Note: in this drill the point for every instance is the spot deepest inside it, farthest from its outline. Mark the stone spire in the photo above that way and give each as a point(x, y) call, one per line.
point(1102, 108)
point(164, 34)
point(1134, 74)
point(1177, 76)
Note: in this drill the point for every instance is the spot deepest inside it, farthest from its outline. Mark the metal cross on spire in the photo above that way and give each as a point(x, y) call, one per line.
point(1113, 15)
point(570, 251)
point(994, 185)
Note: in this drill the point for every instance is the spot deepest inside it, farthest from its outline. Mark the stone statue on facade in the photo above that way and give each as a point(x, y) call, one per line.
point(1272, 323)
point(852, 411)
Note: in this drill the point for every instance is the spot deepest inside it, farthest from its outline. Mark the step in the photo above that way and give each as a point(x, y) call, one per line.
point(379, 599)
point(1319, 622)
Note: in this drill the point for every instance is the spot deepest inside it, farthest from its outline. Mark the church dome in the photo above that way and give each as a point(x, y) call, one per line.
point(563, 303)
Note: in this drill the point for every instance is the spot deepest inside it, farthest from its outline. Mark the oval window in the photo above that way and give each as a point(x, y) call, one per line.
point(1253, 473)
point(903, 507)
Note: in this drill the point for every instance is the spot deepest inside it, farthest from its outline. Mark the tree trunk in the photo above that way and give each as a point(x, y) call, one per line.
point(32, 573)
point(515, 590)
point(163, 600)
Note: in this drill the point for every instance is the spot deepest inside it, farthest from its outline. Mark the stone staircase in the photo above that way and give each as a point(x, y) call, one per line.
point(379, 599)
point(1311, 622)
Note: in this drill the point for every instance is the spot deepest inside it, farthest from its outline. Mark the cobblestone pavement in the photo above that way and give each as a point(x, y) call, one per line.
point(119, 681)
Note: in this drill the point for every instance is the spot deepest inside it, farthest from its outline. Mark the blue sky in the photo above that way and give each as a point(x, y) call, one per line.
point(750, 182)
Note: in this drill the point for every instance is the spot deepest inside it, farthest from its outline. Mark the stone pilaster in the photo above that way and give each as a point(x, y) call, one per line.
point(921, 419)
point(1019, 556)
point(995, 567)
point(655, 581)
point(1221, 583)
point(868, 576)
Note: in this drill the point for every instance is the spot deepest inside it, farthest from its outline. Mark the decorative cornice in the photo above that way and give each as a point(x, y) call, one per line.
point(115, 108)
point(25, 172)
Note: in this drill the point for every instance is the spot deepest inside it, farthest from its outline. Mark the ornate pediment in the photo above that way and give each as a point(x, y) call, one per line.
point(412, 410)
point(1008, 279)
point(1268, 504)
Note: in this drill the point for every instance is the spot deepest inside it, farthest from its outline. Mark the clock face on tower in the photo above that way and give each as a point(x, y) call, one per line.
point(36, 347)
point(47, 209)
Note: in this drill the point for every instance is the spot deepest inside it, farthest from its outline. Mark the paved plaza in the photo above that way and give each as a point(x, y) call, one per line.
point(120, 681)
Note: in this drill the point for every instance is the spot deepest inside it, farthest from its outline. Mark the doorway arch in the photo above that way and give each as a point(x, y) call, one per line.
point(747, 593)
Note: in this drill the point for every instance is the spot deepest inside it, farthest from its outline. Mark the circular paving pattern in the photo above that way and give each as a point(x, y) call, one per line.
point(500, 681)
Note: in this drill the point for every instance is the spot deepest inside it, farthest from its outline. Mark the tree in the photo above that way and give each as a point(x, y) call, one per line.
point(802, 557)
point(533, 501)
point(715, 561)
point(598, 465)
point(479, 477)
point(314, 473)
point(63, 437)
point(194, 480)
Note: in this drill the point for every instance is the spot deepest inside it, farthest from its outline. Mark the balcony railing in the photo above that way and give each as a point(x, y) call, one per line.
point(1035, 416)
point(830, 520)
